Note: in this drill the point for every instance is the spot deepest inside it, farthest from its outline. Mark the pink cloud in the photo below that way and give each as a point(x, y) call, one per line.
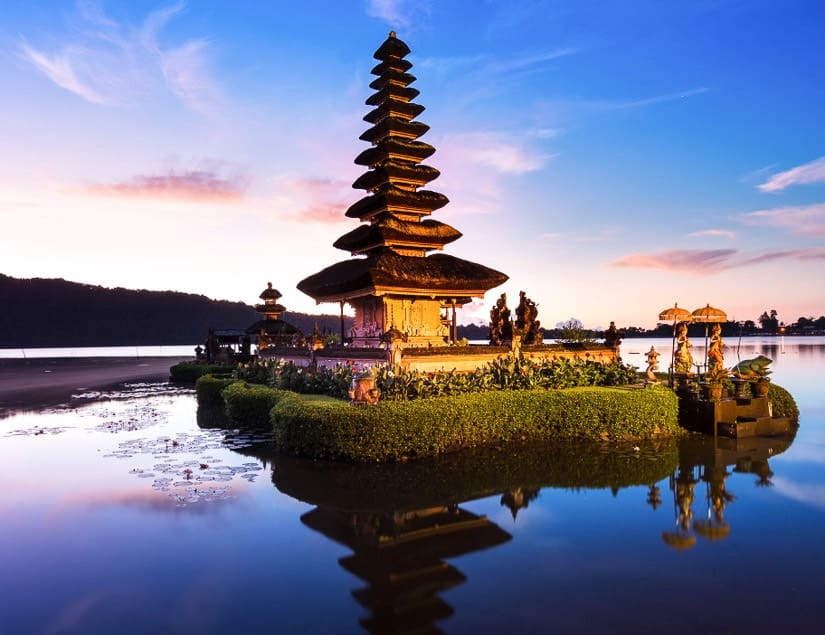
point(194, 185)
point(705, 262)
point(320, 200)
point(803, 220)
point(694, 261)
point(812, 172)
point(813, 253)
point(721, 233)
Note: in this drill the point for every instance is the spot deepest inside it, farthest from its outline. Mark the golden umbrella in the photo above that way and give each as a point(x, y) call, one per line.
point(708, 314)
point(674, 314)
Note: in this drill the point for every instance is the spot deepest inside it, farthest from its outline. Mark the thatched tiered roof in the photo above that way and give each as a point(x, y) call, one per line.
point(396, 240)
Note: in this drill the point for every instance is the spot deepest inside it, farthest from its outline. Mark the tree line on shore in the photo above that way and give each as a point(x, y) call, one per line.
point(42, 312)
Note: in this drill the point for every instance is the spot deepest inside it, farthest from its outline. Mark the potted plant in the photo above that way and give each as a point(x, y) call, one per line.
point(715, 381)
point(761, 382)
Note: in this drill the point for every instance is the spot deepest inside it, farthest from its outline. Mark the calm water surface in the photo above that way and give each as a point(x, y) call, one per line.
point(142, 515)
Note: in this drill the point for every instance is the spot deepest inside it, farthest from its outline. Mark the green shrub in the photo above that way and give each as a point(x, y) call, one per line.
point(317, 380)
point(249, 404)
point(783, 403)
point(208, 388)
point(189, 372)
point(397, 430)
point(504, 373)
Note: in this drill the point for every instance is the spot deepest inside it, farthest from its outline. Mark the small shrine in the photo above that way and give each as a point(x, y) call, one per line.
point(272, 331)
point(392, 281)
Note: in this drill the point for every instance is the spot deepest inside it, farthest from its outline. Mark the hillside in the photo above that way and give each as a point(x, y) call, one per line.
point(41, 312)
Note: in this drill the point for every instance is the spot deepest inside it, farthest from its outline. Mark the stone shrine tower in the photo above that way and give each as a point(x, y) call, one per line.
point(392, 281)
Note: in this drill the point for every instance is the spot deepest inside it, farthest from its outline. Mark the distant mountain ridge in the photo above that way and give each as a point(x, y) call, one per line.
point(40, 312)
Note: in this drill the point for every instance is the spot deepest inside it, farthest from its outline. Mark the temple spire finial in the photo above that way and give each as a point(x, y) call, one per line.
point(392, 33)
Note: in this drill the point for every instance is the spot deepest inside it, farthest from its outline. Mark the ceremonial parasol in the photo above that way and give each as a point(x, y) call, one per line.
point(708, 314)
point(678, 540)
point(674, 314)
point(712, 530)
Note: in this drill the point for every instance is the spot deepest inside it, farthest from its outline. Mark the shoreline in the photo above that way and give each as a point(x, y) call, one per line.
point(32, 383)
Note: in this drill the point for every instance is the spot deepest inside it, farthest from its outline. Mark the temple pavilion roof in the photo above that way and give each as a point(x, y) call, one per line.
point(387, 273)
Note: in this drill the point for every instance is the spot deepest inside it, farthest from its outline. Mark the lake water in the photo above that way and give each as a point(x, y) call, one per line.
point(143, 515)
point(176, 350)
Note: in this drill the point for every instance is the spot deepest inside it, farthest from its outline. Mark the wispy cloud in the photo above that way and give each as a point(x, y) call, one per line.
point(489, 65)
point(806, 493)
point(813, 172)
point(720, 233)
point(400, 14)
point(757, 174)
point(631, 104)
point(706, 262)
point(806, 254)
point(64, 70)
point(191, 185)
point(693, 261)
point(495, 150)
point(114, 64)
point(803, 220)
point(318, 200)
point(509, 65)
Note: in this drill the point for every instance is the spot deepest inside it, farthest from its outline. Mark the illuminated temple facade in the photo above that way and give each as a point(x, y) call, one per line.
point(393, 281)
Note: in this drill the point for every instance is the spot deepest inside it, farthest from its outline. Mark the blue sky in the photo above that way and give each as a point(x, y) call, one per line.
point(612, 157)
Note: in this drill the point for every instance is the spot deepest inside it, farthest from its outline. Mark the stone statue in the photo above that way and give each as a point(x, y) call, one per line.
point(526, 322)
point(715, 355)
point(652, 365)
point(501, 329)
point(613, 336)
point(363, 390)
point(684, 360)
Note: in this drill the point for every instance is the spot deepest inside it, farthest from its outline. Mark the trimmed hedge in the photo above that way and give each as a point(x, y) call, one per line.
point(190, 372)
point(208, 388)
point(397, 430)
point(249, 404)
point(783, 403)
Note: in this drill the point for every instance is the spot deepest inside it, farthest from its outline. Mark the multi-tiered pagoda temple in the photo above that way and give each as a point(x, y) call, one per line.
point(393, 281)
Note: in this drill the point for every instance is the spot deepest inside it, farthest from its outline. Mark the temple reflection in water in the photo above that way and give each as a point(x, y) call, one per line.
point(407, 523)
point(402, 558)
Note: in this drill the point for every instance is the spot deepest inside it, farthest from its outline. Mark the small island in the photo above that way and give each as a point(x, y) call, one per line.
point(400, 384)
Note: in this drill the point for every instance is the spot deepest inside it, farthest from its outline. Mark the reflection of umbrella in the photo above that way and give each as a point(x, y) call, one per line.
point(674, 314)
point(711, 530)
point(708, 314)
point(678, 540)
